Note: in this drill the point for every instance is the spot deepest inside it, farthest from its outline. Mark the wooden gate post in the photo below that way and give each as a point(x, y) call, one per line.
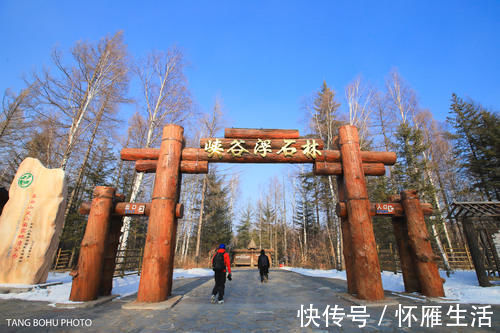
point(366, 266)
point(346, 242)
point(477, 255)
point(87, 279)
point(406, 255)
point(157, 266)
point(110, 255)
point(426, 267)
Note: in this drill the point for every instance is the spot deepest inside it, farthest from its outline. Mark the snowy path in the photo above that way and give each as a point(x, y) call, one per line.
point(252, 307)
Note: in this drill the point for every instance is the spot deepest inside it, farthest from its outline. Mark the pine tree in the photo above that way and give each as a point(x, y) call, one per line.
point(409, 171)
point(244, 228)
point(304, 217)
point(324, 123)
point(216, 221)
point(476, 146)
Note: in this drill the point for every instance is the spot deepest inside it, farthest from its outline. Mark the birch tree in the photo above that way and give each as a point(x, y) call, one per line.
point(13, 125)
point(73, 90)
point(165, 100)
point(359, 103)
point(210, 125)
point(12, 117)
point(412, 169)
point(426, 122)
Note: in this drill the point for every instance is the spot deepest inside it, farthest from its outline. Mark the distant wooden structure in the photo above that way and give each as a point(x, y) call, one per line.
point(481, 224)
point(250, 255)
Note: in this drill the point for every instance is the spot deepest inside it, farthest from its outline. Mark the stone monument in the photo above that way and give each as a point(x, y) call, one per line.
point(31, 223)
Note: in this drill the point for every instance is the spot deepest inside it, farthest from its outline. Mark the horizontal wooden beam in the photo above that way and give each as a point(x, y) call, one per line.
point(384, 209)
point(385, 157)
point(134, 154)
point(250, 143)
point(191, 167)
point(131, 209)
point(369, 169)
point(254, 133)
point(198, 154)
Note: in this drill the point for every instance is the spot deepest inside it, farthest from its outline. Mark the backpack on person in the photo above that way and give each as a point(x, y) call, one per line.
point(218, 262)
point(263, 261)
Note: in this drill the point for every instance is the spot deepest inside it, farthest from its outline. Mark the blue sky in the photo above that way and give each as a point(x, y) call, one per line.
point(264, 57)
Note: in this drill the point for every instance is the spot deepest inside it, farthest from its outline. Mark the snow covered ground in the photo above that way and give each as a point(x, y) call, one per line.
point(460, 287)
point(125, 286)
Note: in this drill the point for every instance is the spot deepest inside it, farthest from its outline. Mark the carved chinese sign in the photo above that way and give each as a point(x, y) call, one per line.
point(263, 148)
point(31, 223)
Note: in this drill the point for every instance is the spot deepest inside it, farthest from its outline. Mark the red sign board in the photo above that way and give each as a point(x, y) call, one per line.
point(384, 208)
point(135, 209)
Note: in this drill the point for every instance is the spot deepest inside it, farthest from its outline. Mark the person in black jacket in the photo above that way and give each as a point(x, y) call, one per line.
point(263, 264)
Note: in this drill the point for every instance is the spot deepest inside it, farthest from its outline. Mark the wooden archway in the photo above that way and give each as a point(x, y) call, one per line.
point(348, 163)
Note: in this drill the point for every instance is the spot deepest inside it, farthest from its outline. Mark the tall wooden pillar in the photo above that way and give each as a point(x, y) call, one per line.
point(157, 266)
point(112, 241)
point(406, 255)
point(366, 266)
point(346, 242)
point(173, 237)
point(426, 267)
point(87, 279)
point(475, 251)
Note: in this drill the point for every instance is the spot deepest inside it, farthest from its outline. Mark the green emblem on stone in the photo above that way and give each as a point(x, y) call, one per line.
point(25, 180)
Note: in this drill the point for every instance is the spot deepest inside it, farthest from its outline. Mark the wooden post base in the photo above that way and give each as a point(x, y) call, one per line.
point(87, 279)
point(431, 283)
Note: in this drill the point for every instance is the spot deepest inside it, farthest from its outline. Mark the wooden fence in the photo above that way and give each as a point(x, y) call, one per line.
point(63, 260)
point(458, 258)
point(127, 261)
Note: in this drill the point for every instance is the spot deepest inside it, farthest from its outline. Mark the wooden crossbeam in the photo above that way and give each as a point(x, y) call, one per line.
point(131, 209)
point(369, 169)
point(253, 133)
point(190, 167)
point(198, 154)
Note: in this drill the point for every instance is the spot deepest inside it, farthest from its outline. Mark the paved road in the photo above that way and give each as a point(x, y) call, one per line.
point(250, 307)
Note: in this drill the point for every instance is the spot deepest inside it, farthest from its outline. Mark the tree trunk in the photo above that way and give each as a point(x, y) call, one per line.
point(200, 220)
point(436, 202)
point(285, 226)
point(475, 251)
point(71, 198)
point(441, 250)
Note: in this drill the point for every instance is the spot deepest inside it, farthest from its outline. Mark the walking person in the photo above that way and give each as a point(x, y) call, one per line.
point(220, 262)
point(263, 264)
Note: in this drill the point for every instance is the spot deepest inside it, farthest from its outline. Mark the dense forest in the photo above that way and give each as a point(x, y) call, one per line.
point(69, 116)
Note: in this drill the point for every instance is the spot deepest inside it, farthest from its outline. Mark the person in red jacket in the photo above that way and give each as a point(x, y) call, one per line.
point(220, 262)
